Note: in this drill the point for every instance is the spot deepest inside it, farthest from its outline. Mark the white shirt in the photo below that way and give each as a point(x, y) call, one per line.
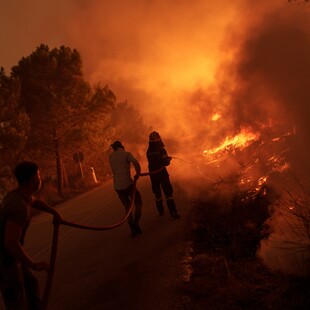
point(120, 164)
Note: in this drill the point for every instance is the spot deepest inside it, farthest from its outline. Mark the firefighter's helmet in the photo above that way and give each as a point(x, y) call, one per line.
point(154, 137)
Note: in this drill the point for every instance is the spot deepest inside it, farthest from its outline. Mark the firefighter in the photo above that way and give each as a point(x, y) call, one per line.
point(158, 159)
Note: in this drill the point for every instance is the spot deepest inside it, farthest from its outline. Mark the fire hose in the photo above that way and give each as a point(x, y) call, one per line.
point(197, 167)
point(57, 223)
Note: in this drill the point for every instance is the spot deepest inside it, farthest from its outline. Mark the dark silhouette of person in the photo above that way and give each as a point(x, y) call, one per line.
point(120, 162)
point(19, 287)
point(158, 159)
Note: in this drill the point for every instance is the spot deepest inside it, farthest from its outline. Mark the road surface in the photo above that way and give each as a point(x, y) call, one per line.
point(98, 270)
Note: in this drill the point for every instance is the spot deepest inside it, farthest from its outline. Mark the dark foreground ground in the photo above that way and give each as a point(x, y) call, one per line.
point(223, 270)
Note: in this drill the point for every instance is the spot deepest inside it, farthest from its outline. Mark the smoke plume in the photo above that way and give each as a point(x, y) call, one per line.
point(272, 75)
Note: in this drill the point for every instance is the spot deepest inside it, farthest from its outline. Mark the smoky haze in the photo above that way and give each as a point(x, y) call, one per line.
point(180, 64)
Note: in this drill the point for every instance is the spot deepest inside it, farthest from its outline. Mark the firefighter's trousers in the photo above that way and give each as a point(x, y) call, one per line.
point(161, 182)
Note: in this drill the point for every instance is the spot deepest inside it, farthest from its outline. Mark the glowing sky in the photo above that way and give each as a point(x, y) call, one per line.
point(147, 42)
point(132, 45)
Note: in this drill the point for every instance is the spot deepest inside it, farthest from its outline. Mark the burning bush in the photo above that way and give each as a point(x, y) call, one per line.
point(261, 201)
point(287, 247)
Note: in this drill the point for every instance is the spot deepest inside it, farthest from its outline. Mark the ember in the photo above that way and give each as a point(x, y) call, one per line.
point(215, 117)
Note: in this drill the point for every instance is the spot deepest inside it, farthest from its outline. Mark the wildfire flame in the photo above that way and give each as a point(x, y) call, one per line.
point(241, 141)
point(255, 165)
point(216, 116)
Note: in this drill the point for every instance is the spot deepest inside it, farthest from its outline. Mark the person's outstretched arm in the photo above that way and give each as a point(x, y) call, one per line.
point(166, 159)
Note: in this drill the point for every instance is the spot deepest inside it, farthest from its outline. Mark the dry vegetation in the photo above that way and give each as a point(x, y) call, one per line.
point(226, 273)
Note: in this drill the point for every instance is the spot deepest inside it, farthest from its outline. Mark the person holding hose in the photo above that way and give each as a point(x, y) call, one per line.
point(18, 285)
point(158, 159)
point(120, 161)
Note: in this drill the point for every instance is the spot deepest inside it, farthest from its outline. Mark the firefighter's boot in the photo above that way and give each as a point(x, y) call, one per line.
point(160, 207)
point(172, 208)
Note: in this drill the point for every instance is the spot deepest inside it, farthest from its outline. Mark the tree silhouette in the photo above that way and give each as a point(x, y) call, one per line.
point(14, 127)
point(54, 94)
